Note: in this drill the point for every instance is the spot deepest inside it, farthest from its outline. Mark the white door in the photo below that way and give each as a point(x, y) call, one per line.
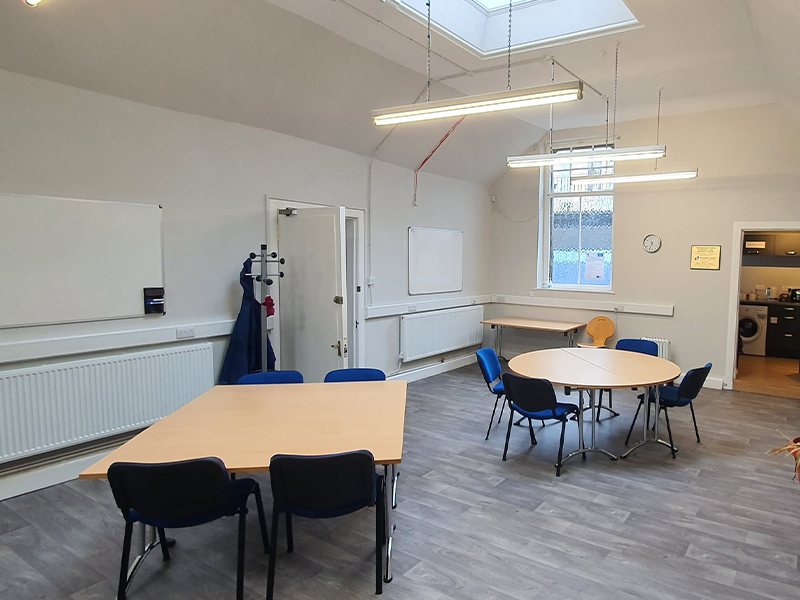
point(313, 294)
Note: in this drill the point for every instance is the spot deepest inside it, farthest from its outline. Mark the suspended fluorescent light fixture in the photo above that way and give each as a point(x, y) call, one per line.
point(578, 156)
point(592, 179)
point(484, 103)
point(33, 2)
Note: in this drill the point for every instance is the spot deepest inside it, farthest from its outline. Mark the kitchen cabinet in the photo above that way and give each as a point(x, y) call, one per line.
point(786, 244)
point(783, 331)
point(759, 244)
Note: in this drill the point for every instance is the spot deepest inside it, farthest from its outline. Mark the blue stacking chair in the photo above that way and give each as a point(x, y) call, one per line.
point(536, 399)
point(629, 345)
point(493, 376)
point(181, 494)
point(323, 487)
point(676, 397)
point(344, 375)
point(271, 377)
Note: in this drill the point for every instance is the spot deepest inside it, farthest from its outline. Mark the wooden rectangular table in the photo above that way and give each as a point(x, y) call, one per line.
point(247, 425)
point(567, 328)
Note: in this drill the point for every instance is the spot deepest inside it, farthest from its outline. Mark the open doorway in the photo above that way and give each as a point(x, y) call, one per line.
point(309, 309)
point(767, 310)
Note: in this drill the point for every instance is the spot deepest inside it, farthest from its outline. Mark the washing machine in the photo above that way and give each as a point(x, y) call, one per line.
point(753, 329)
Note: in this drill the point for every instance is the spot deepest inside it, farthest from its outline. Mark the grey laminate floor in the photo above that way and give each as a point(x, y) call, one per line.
point(721, 521)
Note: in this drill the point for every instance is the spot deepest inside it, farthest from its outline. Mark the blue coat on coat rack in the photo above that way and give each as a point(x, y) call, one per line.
point(244, 350)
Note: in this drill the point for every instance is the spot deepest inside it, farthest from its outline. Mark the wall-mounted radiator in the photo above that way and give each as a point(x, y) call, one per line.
point(430, 333)
point(663, 346)
point(56, 406)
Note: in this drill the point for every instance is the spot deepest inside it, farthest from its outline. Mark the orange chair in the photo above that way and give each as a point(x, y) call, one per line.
point(600, 329)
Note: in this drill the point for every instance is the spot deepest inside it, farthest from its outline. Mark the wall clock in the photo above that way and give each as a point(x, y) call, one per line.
point(652, 243)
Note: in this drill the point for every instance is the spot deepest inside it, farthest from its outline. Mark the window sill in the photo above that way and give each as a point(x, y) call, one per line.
point(571, 290)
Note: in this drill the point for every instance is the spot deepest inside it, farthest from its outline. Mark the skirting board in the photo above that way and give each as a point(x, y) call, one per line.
point(22, 482)
point(435, 369)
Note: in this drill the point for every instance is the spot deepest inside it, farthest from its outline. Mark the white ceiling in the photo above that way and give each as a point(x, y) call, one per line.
point(315, 69)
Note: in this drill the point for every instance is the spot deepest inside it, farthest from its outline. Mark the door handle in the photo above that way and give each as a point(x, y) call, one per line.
point(338, 346)
point(789, 318)
point(787, 335)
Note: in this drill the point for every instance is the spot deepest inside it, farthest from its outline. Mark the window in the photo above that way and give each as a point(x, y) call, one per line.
point(577, 227)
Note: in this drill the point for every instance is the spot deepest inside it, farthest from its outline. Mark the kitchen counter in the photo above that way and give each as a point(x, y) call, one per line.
point(767, 303)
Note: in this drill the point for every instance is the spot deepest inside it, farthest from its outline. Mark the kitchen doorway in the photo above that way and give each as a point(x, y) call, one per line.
point(766, 309)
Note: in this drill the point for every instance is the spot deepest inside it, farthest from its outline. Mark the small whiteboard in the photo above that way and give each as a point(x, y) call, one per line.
point(64, 260)
point(435, 260)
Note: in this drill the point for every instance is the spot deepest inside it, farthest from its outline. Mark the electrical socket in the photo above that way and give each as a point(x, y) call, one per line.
point(182, 333)
point(619, 308)
point(501, 298)
point(412, 308)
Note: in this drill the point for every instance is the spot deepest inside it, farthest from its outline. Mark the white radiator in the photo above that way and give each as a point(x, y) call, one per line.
point(663, 346)
point(55, 406)
point(436, 332)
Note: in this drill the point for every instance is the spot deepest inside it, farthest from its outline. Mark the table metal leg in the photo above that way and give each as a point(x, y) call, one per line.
point(646, 439)
point(582, 448)
point(390, 475)
point(145, 548)
point(571, 339)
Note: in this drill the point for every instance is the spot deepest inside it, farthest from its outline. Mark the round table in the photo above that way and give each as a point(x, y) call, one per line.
point(590, 369)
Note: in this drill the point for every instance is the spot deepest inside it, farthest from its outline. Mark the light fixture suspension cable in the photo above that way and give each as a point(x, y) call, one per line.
point(606, 122)
point(510, 2)
point(428, 4)
point(658, 123)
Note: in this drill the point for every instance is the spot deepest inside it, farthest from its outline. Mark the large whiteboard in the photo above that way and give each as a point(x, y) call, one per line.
point(435, 260)
point(65, 260)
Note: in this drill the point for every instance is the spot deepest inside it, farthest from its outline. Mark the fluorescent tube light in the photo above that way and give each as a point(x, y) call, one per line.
point(33, 2)
point(484, 103)
point(615, 154)
point(635, 178)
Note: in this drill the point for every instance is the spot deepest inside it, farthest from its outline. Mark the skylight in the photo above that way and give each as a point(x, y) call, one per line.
point(481, 26)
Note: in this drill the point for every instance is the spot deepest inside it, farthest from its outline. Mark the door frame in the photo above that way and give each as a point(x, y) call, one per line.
point(271, 207)
point(739, 229)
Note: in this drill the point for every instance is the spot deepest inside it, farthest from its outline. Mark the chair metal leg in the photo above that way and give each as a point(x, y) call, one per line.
point(610, 399)
point(508, 433)
point(694, 420)
point(240, 555)
point(635, 416)
point(533, 435)
point(289, 534)
point(380, 532)
point(543, 423)
point(162, 536)
point(502, 408)
point(561, 447)
point(126, 556)
point(491, 419)
point(262, 520)
point(273, 553)
point(669, 431)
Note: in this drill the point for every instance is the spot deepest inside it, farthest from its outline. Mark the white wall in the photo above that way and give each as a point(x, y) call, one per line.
point(748, 166)
point(211, 177)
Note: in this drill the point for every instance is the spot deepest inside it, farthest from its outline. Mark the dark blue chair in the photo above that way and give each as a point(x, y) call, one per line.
point(345, 375)
point(676, 397)
point(535, 399)
point(181, 494)
point(629, 345)
point(271, 377)
point(323, 487)
point(493, 376)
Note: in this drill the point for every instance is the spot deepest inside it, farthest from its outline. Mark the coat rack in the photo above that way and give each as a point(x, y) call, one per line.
point(265, 278)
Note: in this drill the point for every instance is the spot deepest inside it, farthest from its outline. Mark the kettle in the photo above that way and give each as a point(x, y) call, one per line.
point(794, 295)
